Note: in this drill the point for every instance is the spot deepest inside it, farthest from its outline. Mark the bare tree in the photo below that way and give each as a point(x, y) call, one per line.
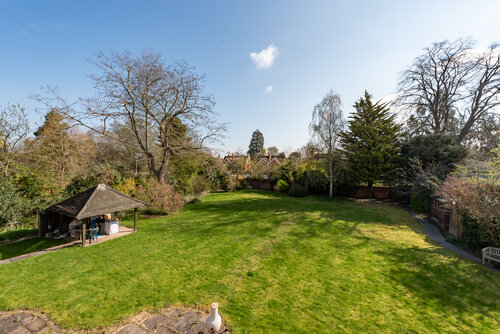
point(483, 92)
point(326, 125)
point(163, 105)
point(451, 88)
point(14, 128)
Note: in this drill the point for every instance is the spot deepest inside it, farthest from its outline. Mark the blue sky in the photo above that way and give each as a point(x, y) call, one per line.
point(347, 46)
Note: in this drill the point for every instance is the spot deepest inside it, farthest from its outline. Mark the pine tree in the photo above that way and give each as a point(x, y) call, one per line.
point(371, 142)
point(256, 146)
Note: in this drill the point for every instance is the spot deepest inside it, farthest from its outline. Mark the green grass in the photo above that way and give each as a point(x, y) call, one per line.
point(27, 246)
point(275, 264)
point(16, 233)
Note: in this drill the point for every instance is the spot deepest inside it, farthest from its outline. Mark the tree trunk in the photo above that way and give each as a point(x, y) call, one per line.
point(370, 189)
point(330, 193)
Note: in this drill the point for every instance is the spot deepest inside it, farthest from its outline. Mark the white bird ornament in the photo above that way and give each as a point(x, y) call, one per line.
point(214, 320)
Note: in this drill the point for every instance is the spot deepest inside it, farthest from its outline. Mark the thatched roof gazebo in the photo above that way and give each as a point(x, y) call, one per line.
point(98, 200)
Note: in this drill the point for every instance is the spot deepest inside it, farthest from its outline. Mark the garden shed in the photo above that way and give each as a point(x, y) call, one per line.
point(98, 200)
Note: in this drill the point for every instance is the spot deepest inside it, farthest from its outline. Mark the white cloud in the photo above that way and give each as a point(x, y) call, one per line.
point(265, 58)
point(269, 89)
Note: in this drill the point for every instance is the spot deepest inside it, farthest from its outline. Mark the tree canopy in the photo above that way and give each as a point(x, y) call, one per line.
point(256, 146)
point(371, 143)
point(454, 88)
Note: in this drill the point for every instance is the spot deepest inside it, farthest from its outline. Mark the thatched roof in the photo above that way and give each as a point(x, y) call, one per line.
point(98, 200)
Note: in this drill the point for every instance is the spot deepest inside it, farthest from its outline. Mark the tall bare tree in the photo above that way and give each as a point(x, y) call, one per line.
point(452, 88)
point(326, 124)
point(164, 106)
point(14, 128)
point(483, 93)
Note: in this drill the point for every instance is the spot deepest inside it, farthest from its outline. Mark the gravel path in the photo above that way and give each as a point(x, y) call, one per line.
point(433, 233)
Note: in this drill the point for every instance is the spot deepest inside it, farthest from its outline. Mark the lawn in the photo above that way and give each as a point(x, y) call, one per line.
point(275, 264)
point(27, 246)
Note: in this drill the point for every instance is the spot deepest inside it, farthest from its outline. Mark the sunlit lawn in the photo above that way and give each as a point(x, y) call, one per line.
point(275, 264)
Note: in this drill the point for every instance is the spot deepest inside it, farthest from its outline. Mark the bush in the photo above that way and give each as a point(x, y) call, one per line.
point(160, 196)
point(281, 186)
point(317, 181)
point(297, 190)
point(10, 203)
point(420, 203)
point(126, 186)
point(476, 196)
point(473, 237)
point(200, 184)
point(16, 233)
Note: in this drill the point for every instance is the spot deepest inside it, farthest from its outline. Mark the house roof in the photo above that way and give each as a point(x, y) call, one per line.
point(95, 201)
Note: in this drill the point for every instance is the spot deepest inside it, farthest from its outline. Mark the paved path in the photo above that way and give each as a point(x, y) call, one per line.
point(167, 321)
point(122, 232)
point(433, 233)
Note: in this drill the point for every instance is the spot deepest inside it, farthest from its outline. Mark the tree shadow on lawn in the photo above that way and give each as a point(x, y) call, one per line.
point(453, 284)
point(27, 246)
point(317, 213)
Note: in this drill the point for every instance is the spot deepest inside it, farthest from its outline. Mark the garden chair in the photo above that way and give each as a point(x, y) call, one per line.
point(92, 234)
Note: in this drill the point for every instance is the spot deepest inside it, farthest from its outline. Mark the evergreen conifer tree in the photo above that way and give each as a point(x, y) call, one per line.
point(371, 143)
point(256, 146)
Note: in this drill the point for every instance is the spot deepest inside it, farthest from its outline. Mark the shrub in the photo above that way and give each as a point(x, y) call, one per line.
point(126, 186)
point(200, 184)
point(420, 203)
point(10, 202)
point(16, 233)
point(297, 190)
point(476, 196)
point(160, 196)
point(281, 186)
point(317, 181)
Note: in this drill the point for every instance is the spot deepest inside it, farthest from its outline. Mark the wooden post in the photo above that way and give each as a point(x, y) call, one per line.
point(83, 233)
point(39, 225)
point(135, 219)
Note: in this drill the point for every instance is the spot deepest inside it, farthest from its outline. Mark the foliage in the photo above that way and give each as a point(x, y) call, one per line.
point(16, 233)
point(371, 144)
point(439, 151)
point(287, 171)
point(81, 183)
point(58, 153)
point(126, 186)
point(200, 184)
point(308, 247)
point(474, 236)
point(160, 196)
point(314, 176)
point(237, 165)
point(419, 202)
point(217, 175)
point(418, 182)
point(496, 157)
point(183, 168)
point(273, 150)
point(326, 125)
point(297, 190)
point(256, 146)
point(281, 186)
point(29, 185)
point(476, 195)
point(10, 202)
